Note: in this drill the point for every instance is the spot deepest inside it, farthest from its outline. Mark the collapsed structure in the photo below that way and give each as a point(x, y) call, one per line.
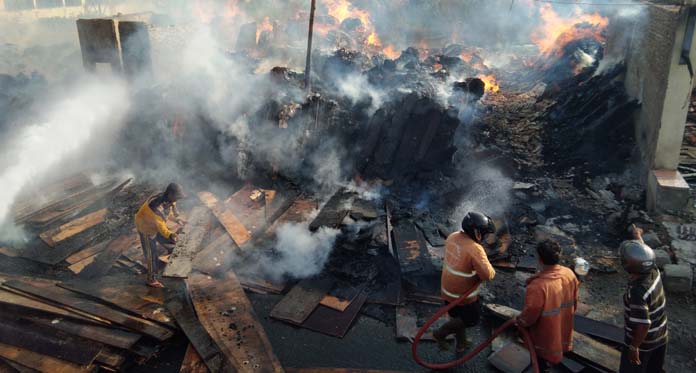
point(316, 209)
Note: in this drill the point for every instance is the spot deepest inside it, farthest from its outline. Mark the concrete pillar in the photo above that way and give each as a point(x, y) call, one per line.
point(663, 86)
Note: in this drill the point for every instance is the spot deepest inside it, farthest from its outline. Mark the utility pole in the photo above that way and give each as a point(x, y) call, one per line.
point(309, 46)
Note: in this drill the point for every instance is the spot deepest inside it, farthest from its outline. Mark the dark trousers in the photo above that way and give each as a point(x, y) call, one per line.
point(650, 361)
point(149, 246)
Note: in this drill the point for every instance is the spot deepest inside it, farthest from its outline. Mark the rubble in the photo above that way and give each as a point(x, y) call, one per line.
point(678, 278)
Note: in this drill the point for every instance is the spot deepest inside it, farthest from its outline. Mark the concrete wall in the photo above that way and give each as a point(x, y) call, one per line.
point(656, 79)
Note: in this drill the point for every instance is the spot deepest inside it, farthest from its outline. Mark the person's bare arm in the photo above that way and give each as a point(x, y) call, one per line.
point(639, 334)
point(636, 233)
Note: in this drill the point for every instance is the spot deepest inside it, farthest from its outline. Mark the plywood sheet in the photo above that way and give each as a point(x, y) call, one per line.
point(332, 322)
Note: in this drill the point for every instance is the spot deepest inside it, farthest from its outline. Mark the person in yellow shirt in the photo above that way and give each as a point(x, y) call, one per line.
point(151, 223)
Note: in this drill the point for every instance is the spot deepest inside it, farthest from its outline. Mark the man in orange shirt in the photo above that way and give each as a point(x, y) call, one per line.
point(465, 266)
point(549, 306)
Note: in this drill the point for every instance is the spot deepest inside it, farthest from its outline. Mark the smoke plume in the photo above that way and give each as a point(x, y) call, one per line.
point(92, 113)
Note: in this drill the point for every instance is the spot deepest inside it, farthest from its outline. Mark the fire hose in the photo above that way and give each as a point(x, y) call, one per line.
point(438, 366)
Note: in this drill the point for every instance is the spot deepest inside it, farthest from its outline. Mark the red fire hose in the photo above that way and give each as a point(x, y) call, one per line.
point(437, 366)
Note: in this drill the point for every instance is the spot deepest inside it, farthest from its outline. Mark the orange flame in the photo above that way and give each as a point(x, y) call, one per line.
point(344, 9)
point(266, 25)
point(490, 81)
point(556, 31)
point(391, 52)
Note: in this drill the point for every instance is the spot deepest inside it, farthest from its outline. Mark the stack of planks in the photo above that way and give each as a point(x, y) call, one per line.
point(49, 326)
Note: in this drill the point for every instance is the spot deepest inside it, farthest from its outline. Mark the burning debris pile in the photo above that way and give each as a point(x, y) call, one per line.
point(327, 204)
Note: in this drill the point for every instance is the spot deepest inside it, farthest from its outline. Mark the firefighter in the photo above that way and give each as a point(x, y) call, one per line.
point(645, 314)
point(465, 266)
point(549, 305)
point(151, 223)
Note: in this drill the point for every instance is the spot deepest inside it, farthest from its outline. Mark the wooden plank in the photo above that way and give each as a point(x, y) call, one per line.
point(81, 265)
point(9, 252)
point(216, 255)
point(110, 358)
point(37, 198)
point(86, 253)
point(9, 298)
point(71, 301)
point(34, 337)
point(333, 212)
point(511, 358)
point(225, 312)
point(332, 322)
point(105, 335)
point(189, 244)
point(192, 362)
point(411, 248)
point(104, 260)
point(598, 329)
point(335, 303)
point(179, 305)
point(301, 300)
point(584, 347)
point(39, 362)
point(126, 293)
point(239, 233)
point(54, 236)
point(256, 284)
point(338, 370)
point(75, 203)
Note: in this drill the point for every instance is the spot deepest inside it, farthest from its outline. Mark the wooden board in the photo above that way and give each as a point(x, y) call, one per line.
point(260, 285)
point(6, 251)
point(189, 244)
point(216, 255)
point(332, 322)
point(105, 335)
point(598, 329)
point(126, 293)
point(73, 204)
point(104, 260)
point(411, 248)
point(301, 300)
point(86, 253)
point(71, 301)
point(192, 362)
point(234, 227)
point(333, 212)
point(54, 236)
point(335, 303)
point(38, 338)
point(225, 312)
point(39, 362)
point(179, 305)
point(584, 347)
point(511, 358)
point(81, 265)
point(8, 298)
point(338, 370)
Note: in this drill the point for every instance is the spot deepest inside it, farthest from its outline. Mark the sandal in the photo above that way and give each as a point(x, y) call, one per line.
point(155, 284)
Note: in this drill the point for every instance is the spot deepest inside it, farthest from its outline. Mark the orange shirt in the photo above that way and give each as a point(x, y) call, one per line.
point(465, 266)
point(549, 306)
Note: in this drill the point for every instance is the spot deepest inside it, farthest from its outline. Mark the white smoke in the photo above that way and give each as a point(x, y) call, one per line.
point(301, 253)
point(89, 112)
